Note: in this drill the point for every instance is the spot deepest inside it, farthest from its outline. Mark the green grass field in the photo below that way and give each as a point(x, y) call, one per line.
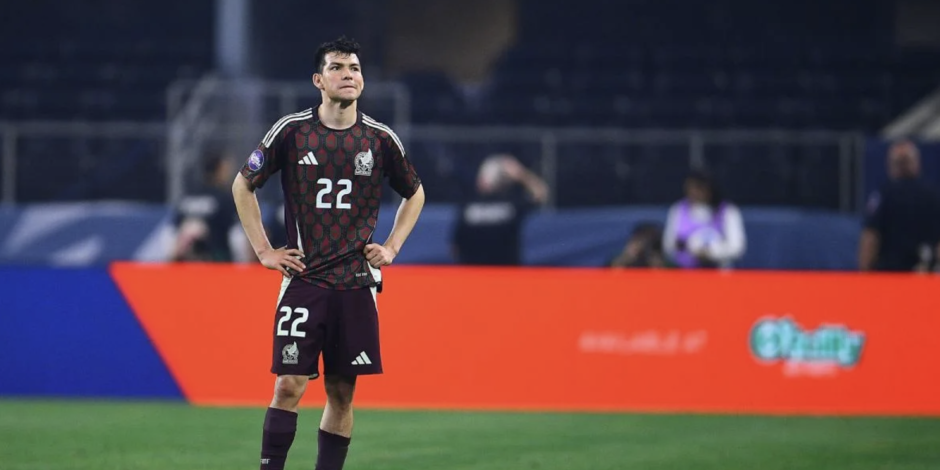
point(80, 435)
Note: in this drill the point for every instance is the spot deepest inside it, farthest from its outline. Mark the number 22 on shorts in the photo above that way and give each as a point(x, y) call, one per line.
point(288, 313)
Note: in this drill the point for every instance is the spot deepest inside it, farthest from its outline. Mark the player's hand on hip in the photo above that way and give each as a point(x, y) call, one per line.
point(379, 255)
point(286, 261)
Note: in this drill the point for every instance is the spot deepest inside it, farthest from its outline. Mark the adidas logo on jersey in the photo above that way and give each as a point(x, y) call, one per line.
point(308, 160)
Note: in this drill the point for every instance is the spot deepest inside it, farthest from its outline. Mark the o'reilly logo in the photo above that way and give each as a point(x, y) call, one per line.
point(782, 339)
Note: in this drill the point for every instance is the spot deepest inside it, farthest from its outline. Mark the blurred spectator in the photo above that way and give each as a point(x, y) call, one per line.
point(205, 216)
point(902, 220)
point(644, 249)
point(703, 230)
point(489, 225)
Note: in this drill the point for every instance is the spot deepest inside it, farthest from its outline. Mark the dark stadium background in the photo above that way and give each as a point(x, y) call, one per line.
point(109, 110)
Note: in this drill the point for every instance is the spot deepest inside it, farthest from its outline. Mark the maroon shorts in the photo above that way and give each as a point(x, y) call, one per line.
point(343, 325)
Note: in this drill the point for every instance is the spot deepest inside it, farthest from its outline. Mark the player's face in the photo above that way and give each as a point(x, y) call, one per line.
point(341, 79)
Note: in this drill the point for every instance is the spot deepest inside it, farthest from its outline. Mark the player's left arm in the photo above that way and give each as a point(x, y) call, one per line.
point(405, 220)
point(405, 181)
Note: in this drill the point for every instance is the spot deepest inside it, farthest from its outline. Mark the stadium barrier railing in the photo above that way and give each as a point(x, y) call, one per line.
point(443, 152)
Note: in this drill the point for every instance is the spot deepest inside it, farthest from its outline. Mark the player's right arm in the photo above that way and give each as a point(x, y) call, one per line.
point(261, 164)
point(249, 212)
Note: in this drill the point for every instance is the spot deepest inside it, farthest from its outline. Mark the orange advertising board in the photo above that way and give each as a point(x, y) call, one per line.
point(575, 339)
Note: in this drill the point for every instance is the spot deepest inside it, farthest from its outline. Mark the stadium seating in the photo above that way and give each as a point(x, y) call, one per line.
point(109, 60)
point(643, 64)
point(674, 64)
point(97, 61)
point(711, 64)
point(677, 64)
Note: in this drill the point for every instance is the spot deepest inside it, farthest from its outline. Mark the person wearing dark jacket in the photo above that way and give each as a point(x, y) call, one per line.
point(902, 220)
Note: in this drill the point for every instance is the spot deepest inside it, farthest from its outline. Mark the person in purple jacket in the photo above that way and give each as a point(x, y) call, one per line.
point(703, 230)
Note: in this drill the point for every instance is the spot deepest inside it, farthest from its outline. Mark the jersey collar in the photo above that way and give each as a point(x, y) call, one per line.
point(316, 119)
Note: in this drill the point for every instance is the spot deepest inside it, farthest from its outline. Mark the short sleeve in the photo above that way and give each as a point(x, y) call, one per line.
point(265, 161)
point(401, 173)
point(874, 212)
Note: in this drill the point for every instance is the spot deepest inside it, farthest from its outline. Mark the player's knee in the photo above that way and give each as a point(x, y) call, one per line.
point(339, 391)
point(340, 401)
point(289, 388)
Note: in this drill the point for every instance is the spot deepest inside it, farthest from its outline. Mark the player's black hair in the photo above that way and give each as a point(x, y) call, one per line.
point(342, 45)
point(705, 179)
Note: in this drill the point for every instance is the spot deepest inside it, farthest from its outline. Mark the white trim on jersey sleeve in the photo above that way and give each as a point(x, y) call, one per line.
point(382, 127)
point(281, 123)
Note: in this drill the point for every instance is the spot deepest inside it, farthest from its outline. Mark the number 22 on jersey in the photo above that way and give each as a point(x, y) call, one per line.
point(327, 188)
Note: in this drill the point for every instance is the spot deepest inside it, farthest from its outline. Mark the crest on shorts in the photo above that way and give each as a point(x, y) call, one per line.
point(290, 354)
point(364, 163)
point(255, 160)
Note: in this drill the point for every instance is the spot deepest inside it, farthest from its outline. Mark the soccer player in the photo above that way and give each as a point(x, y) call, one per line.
point(331, 160)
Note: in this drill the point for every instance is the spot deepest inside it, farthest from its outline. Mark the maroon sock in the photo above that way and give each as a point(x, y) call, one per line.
point(332, 449)
point(279, 429)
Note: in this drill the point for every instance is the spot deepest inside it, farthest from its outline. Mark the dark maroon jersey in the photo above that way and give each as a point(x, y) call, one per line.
point(332, 182)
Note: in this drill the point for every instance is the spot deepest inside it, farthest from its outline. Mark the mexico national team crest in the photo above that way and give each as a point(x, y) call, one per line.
point(290, 354)
point(364, 163)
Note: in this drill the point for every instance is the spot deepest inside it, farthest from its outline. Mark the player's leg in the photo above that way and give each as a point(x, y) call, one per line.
point(298, 340)
point(280, 421)
point(288, 390)
point(352, 350)
point(336, 424)
point(338, 414)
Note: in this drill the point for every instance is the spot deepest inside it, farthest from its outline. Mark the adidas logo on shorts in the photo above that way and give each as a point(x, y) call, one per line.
point(363, 359)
